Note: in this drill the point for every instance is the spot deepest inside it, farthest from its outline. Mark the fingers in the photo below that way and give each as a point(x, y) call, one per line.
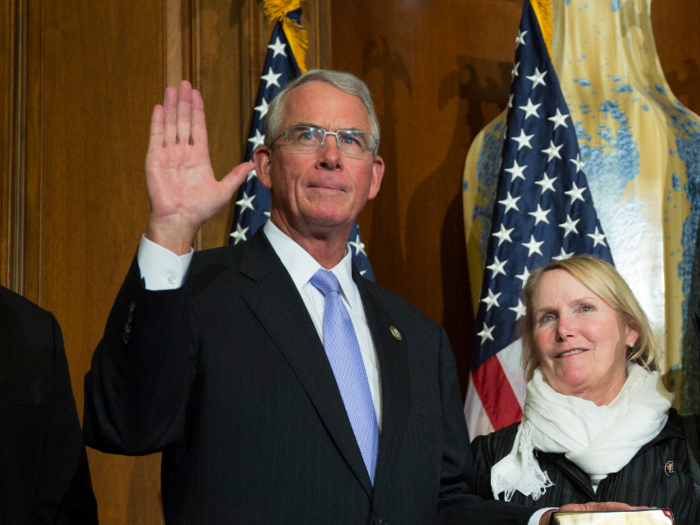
point(199, 126)
point(157, 132)
point(170, 116)
point(235, 178)
point(184, 112)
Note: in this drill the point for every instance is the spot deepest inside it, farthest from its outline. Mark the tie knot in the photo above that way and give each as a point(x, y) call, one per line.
point(325, 282)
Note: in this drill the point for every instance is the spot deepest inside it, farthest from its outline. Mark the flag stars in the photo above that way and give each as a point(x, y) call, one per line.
point(560, 120)
point(552, 151)
point(246, 202)
point(515, 73)
point(537, 78)
point(257, 140)
point(519, 310)
point(569, 226)
point(516, 171)
point(530, 109)
point(262, 108)
point(510, 100)
point(359, 246)
point(491, 300)
point(533, 246)
point(524, 276)
point(503, 235)
point(546, 183)
point(497, 267)
point(271, 79)
point(510, 202)
point(575, 193)
point(578, 163)
point(523, 140)
point(486, 333)
point(239, 234)
point(278, 47)
point(252, 173)
point(540, 215)
point(520, 39)
point(598, 237)
point(563, 255)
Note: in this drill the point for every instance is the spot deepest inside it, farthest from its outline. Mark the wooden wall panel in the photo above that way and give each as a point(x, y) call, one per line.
point(93, 72)
point(439, 71)
point(678, 44)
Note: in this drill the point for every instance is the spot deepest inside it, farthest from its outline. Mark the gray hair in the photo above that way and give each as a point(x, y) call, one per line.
point(345, 82)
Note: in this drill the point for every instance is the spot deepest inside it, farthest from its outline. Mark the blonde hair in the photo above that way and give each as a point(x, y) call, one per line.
point(603, 280)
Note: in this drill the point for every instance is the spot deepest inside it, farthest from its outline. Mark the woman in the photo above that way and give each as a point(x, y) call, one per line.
point(597, 423)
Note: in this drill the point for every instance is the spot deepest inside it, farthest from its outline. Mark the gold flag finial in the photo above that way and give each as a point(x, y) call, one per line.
point(545, 15)
point(296, 35)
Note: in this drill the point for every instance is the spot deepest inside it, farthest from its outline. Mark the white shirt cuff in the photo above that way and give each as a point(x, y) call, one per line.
point(535, 518)
point(161, 268)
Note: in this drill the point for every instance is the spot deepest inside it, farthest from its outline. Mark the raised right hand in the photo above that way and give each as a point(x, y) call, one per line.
point(182, 188)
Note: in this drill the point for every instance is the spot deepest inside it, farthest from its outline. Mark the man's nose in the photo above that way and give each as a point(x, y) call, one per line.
point(329, 156)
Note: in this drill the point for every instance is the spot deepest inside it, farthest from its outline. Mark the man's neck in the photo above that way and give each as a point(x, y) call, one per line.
point(327, 247)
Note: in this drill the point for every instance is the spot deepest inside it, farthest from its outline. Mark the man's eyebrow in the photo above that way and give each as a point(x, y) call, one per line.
point(311, 125)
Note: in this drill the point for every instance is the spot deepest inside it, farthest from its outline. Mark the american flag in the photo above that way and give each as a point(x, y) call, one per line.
point(253, 200)
point(543, 211)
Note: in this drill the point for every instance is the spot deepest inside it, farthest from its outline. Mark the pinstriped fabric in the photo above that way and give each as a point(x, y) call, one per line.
point(642, 482)
point(249, 416)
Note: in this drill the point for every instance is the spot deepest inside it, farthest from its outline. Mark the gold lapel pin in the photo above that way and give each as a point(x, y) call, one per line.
point(670, 468)
point(394, 331)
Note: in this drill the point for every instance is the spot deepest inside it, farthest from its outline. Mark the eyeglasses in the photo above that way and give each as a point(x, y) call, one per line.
point(349, 141)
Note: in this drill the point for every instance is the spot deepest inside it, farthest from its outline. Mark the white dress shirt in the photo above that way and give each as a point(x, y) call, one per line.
point(163, 270)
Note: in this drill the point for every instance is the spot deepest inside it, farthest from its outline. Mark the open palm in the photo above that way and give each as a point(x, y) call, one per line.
point(182, 188)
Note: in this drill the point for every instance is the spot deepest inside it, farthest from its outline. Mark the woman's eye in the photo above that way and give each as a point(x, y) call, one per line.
point(586, 308)
point(546, 318)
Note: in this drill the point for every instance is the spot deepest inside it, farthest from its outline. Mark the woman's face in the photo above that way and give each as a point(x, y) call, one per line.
point(580, 340)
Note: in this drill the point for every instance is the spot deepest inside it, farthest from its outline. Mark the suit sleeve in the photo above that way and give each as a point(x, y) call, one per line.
point(143, 371)
point(63, 493)
point(458, 504)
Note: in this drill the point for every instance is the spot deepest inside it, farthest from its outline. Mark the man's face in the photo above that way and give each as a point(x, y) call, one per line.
point(319, 192)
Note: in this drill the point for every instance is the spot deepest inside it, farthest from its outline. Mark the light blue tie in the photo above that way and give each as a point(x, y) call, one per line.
point(343, 351)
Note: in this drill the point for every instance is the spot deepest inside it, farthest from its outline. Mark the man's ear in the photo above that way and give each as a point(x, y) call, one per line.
point(262, 157)
point(377, 175)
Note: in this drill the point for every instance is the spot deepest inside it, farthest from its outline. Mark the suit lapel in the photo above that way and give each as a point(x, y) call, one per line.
point(280, 309)
point(395, 385)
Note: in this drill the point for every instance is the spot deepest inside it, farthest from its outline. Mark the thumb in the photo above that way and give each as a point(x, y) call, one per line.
point(236, 176)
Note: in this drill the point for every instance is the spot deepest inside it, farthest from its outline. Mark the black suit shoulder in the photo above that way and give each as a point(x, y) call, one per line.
point(44, 475)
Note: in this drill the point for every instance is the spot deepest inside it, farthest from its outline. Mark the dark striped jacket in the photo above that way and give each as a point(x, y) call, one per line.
point(642, 482)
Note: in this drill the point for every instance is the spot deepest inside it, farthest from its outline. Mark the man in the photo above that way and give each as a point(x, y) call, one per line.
point(280, 385)
point(44, 475)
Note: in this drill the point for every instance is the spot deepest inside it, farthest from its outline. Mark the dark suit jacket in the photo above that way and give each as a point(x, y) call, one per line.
point(227, 376)
point(44, 476)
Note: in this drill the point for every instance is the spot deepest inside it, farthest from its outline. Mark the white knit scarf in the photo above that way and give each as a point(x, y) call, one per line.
point(599, 439)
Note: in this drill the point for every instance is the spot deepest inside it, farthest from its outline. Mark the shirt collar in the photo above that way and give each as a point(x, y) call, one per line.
point(302, 266)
